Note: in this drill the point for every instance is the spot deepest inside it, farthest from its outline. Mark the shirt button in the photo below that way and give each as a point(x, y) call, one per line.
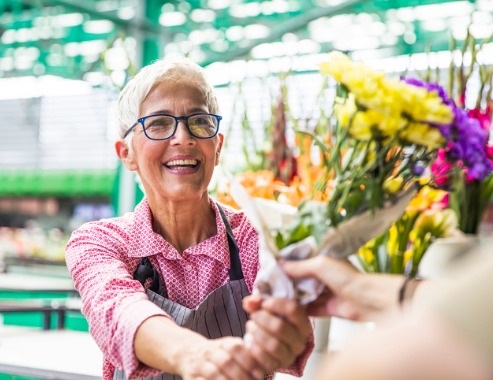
point(188, 267)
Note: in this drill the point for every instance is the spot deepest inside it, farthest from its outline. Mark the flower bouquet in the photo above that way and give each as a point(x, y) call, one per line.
point(383, 132)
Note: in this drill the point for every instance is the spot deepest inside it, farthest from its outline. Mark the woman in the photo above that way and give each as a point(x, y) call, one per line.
point(162, 287)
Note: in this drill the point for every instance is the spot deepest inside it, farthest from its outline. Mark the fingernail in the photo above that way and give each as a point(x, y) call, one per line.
point(248, 339)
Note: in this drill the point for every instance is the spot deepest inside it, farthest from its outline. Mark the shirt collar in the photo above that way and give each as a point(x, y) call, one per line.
point(145, 242)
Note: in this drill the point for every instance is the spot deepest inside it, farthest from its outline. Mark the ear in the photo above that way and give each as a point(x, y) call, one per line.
point(218, 150)
point(127, 158)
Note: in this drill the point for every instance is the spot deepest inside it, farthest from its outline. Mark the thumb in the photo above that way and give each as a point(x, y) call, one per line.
point(298, 269)
point(329, 271)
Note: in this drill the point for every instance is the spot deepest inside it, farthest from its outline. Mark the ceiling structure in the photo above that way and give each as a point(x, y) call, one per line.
point(85, 39)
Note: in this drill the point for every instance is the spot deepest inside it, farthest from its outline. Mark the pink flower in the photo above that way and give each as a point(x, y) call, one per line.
point(440, 168)
point(484, 116)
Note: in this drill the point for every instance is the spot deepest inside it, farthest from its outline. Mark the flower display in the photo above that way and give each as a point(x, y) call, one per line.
point(382, 136)
point(464, 167)
point(402, 247)
point(384, 132)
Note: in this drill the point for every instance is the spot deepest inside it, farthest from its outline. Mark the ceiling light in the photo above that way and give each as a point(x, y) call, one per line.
point(405, 14)
point(481, 31)
point(434, 25)
point(67, 20)
point(219, 4)
point(172, 19)
point(126, 13)
point(443, 10)
point(234, 33)
point(256, 31)
point(245, 10)
point(202, 15)
point(396, 28)
point(98, 26)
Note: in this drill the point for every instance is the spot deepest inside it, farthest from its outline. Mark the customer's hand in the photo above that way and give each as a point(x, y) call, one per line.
point(278, 331)
point(349, 293)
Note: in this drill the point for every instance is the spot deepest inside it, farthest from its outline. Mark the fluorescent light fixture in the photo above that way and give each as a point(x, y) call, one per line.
point(66, 20)
point(245, 10)
point(116, 59)
point(98, 26)
point(219, 4)
point(202, 15)
point(256, 31)
point(234, 33)
point(443, 10)
point(172, 19)
point(126, 13)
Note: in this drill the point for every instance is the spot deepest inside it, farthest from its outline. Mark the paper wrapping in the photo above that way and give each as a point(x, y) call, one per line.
point(339, 242)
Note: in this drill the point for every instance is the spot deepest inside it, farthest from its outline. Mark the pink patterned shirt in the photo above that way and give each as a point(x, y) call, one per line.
point(103, 255)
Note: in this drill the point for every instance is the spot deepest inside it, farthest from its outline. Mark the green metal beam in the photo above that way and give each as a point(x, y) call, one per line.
point(52, 183)
point(287, 27)
point(78, 6)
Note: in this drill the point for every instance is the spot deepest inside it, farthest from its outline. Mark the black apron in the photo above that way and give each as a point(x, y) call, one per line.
point(219, 314)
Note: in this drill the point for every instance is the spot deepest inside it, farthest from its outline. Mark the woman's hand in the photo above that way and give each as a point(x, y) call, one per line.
point(219, 359)
point(161, 344)
point(278, 331)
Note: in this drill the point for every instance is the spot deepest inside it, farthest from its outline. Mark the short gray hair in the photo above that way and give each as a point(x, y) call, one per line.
point(174, 70)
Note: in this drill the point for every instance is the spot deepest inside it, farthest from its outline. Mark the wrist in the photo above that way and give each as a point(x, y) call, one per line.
point(376, 295)
point(407, 290)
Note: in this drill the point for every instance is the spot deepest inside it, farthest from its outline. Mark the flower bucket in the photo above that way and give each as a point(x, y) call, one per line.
point(443, 252)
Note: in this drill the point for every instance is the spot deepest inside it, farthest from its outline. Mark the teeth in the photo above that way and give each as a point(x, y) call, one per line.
point(181, 162)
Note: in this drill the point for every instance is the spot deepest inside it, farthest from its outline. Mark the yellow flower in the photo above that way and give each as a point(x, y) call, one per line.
point(425, 198)
point(422, 134)
point(408, 255)
point(423, 105)
point(366, 254)
point(360, 127)
point(390, 125)
point(393, 184)
point(393, 242)
point(336, 65)
point(439, 223)
point(344, 111)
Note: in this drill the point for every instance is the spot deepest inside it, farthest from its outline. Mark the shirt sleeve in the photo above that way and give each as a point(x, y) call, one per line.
point(467, 305)
point(298, 367)
point(114, 304)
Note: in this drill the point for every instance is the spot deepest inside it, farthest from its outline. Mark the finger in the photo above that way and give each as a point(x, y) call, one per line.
point(252, 303)
point(290, 311)
point(277, 332)
point(303, 268)
point(271, 352)
point(244, 359)
point(330, 271)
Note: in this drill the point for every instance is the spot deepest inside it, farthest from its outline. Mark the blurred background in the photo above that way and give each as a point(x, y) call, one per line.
point(63, 62)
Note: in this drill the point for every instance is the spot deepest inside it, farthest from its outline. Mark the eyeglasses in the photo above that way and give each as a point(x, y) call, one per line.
point(163, 127)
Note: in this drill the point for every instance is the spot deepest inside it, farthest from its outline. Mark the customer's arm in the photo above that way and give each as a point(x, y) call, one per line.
point(447, 335)
point(424, 347)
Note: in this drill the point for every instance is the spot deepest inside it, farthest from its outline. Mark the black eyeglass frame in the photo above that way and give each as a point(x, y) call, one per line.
point(141, 121)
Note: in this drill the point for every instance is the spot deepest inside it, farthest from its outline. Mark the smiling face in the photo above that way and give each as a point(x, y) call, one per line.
point(180, 168)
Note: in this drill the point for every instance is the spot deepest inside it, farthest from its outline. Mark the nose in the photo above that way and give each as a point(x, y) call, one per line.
point(182, 135)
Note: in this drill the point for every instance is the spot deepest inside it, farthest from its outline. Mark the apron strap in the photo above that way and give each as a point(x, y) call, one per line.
point(144, 271)
point(235, 272)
